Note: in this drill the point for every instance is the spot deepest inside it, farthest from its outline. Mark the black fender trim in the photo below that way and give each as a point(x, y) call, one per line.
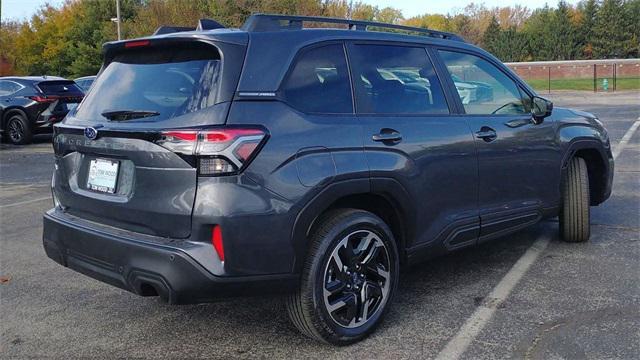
point(387, 188)
point(578, 144)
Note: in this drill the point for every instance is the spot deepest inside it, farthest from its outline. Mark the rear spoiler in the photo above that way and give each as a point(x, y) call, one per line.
point(203, 24)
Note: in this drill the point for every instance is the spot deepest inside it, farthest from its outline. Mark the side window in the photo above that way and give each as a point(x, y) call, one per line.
point(319, 81)
point(482, 87)
point(8, 87)
point(395, 80)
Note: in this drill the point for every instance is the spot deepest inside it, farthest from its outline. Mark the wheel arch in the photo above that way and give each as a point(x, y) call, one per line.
point(598, 166)
point(6, 114)
point(385, 198)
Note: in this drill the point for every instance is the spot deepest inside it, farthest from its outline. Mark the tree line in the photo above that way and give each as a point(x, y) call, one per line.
point(67, 40)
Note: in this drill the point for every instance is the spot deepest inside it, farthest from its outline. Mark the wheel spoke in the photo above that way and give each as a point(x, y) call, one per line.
point(337, 261)
point(371, 253)
point(374, 291)
point(349, 252)
point(378, 271)
point(347, 302)
point(335, 286)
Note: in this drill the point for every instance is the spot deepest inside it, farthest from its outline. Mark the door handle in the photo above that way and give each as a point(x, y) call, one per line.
point(387, 135)
point(487, 134)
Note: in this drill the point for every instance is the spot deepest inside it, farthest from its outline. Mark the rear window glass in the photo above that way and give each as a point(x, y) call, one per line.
point(58, 87)
point(154, 84)
point(319, 81)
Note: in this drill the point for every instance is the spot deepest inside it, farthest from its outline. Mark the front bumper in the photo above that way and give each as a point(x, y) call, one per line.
point(144, 267)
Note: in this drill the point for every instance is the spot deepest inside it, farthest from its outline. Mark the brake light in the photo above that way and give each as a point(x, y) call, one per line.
point(221, 151)
point(42, 99)
point(140, 43)
point(216, 239)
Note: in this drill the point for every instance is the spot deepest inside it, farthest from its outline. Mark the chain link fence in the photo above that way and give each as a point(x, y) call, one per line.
point(586, 75)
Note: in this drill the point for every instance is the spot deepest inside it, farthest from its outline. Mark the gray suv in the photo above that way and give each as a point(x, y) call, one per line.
point(315, 162)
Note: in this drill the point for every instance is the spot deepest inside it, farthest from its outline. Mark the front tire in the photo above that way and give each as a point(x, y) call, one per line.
point(348, 280)
point(17, 130)
point(575, 224)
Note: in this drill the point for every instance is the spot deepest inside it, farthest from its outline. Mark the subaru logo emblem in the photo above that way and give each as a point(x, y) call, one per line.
point(91, 133)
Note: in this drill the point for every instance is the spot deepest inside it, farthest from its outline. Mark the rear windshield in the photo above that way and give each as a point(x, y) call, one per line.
point(59, 87)
point(151, 84)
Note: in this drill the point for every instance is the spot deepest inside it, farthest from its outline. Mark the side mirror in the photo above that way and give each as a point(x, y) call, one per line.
point(540, 108)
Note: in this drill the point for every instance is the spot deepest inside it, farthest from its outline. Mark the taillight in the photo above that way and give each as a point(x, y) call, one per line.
point(216, 239)
point(221, 151)
point(43, 99)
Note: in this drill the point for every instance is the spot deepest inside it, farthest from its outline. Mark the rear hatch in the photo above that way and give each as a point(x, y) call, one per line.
point(114, 163)
point(61, 95)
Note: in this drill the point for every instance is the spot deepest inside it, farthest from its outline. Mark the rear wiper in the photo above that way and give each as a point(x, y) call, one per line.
point(122, 115)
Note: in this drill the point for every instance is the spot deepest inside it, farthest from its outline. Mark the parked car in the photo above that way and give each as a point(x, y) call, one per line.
point(32, 104)
point(216, 162)
point(85, 82)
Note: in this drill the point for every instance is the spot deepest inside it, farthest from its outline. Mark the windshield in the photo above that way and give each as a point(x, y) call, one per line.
point(166, 82)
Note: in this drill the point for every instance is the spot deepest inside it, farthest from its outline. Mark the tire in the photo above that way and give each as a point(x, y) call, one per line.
point(575, 225)
point(364, 244)
point(17, 130)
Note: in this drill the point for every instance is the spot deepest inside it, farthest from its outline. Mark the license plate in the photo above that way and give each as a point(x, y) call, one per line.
point(103, 175)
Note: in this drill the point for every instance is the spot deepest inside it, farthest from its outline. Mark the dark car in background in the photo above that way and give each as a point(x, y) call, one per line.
point(277, 158)
point(85, 82)
point(32, 104)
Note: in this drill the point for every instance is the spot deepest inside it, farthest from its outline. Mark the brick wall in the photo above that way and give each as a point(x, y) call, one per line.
point(579, 69)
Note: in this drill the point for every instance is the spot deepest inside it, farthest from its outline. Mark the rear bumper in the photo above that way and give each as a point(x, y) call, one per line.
point(44, 123)
point(146, 268)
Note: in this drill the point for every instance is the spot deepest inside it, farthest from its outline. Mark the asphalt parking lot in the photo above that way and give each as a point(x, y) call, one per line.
point(569, 301)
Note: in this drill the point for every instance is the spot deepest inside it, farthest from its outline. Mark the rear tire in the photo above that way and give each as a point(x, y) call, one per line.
point(348, 280)
point(575, 224)
point(17, 130)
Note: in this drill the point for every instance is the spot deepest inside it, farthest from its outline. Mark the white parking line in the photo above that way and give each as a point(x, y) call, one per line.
point(472, 327)
point(625, 139)
point(25, 202)
point(479, 319)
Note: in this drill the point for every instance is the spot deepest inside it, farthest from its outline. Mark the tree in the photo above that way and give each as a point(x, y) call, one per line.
point(562, 34)
point(491, 37)
point(389, 15)
point(538, 33)
point(610, 33)
point(585, 33)
point(461, 24)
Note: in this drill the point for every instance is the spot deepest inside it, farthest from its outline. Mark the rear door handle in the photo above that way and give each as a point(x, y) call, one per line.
point(487, 134)
point(387, 135)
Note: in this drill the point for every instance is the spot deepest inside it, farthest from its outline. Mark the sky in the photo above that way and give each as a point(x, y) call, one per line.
point(22, 9)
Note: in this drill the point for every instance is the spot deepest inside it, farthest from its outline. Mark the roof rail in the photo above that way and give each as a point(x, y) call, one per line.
point(203, 24)
point(270, 22)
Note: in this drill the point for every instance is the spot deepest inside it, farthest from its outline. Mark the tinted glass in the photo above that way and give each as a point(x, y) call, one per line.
point(319, 81)
point(395, 80)
point(59, 87)
point(8, 87)
point(482, 87)
point(164, 82)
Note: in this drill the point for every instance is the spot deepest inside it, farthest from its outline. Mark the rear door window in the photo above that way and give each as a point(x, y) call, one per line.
point(395, 80)
point(319, 81)
point(155, 84)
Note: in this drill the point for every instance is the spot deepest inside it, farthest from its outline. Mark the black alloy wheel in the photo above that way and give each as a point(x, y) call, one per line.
point(356, 279)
